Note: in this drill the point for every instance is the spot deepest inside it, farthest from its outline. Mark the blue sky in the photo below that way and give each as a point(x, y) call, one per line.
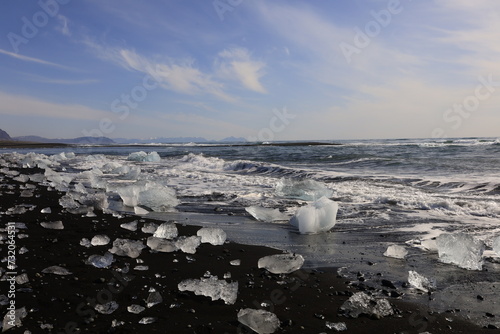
point(263, 70)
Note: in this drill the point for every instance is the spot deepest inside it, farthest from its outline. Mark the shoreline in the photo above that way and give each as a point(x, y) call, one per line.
point(303, 300)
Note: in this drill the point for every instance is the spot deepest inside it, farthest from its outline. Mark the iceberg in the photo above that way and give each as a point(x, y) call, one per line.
point(260, 321)
point(360, 303)
point(126, 247)
point(266, 214)
point(142, 156)
point(307, 190)
point(461, 249)
point(211, 287)
point(496, 245)
point(166, 231)
point(157, 197)
point(421, 282)
point(396, 251)
point(320, 216)
point(212, 235)
point(281, 263)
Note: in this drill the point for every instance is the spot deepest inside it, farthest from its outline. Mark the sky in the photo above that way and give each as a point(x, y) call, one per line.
point(263, 70)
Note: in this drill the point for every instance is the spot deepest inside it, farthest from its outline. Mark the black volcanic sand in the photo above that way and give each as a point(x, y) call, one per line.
point(303, 300)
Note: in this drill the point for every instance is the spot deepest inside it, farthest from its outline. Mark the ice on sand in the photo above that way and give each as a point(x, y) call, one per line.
point(142, 156)
point(320, 216)
point(281, 263)
point(57, 225)
point(56, 270)
point(461, 249)
point(101, 261)
point(157, 197)
point(307, 190)
point(260, 321)
point(100, 240)
point(496, 245)
point(135, 309)
point(336, 326)
point(360, 303)
point(107, 308)
point(14, 320)
point(212, 235)
point(211, 287)
point(166, 231)
point(421, 282)
point(396, 251)
point(127, 247)
point(132, 226)
point(154, 298)
point(188, 244)
point(266, 214)
point(161, 245)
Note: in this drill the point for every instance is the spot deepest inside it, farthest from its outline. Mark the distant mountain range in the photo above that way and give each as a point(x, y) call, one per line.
point(175, 140)
point(77, 141)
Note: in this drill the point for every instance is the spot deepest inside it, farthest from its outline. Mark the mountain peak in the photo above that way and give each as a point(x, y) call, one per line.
point(4, 135)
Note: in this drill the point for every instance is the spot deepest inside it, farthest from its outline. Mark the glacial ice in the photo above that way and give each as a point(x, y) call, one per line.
point(461, 249)
point(396, 251)
point(149, 228)
point(307, 190)
point(361, 303)
point(107, 308)
point(161, 245)
point(157, 197)
point(336, 326)
point(127, 247)
point(319, 216)
point(142, 156)
point(212, 235)
point(100, 240)
point(148, 320)
point(188, 244)
point(266, 214)
point(281, 263)
point(135, 309)
point(132, 226)
point(140, 211)
point(56, 270)
point(421, 282)
point(101, 261)
point(260, 321)
point(211, 287)
point(496, 245)
point(166, 231)
point(154, 298)
point(57, 225)
point(19, 315)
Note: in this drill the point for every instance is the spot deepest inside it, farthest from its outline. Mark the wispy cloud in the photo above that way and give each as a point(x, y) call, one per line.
point(63, 25)
point(34, 60)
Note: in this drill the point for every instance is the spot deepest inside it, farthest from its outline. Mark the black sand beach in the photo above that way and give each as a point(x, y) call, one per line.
point(303, 301)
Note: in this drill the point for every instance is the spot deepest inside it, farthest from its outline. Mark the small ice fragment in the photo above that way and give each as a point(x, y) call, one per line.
point(46, 210)
point(161, 245)
point(188, 244)
point(132, 226)
point(360, 303)
point(154, 298)
point(429, 244)
point(141, 268)
point(85, 242)
point(23, 250)
point(136, 309)
point(166, 231)
point(22, 279)
point(496, 245)
point(396, 251)
point(236, 262)
point(421, 282)
point(266, 214)
point(281, 263)
point(260, 321)
point(117, 323)
point(461, 249)
point(127, 247)
point(140, 211)
point(57, 225)
point(227, 275)
point(107, 308)
point(336, 326)
point(142, 156)
point(211, 287)
point(14, 320)
point(149, 228)
point(100, 240)
point(99, 261)
point(147, 320)
point(56, 270)
point(319, 216)
point(212, 235)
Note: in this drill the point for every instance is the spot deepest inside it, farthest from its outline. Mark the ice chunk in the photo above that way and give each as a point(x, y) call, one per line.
point(166, 231)
point(107, 308)
point(100, 240)
point(429, 244)
point(360, 303)
point(320, 216)
point(157, 197)
point(188, 244)
point(149, 228)
point(211, 287)
point(136, 309)
point(235, 263)
point(336, 326)
point(132, 226)
point(140, 211)
point(46, 210)
point(212, 235)
point(22, 279)
point(101, 261)
point(127, 247)
point(307, 190)
point(85, 242)
point(161, 245)
point(496, 245)
point(142, 156)
point(421, 282)
point(266, 214)
point(57, 225)
point(396, 251)
point(281, 263)
point(461, 249)
point(260, 321)
point(154, 298)
point(56, 270)
point(147, 320)
point(14, 320)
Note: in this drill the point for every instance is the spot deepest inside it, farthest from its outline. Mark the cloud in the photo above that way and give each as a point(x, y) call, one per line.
point(63, 27)
point(236, 64)
point(34, 60)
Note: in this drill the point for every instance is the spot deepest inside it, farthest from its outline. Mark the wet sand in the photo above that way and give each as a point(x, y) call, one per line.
point(303, 300)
